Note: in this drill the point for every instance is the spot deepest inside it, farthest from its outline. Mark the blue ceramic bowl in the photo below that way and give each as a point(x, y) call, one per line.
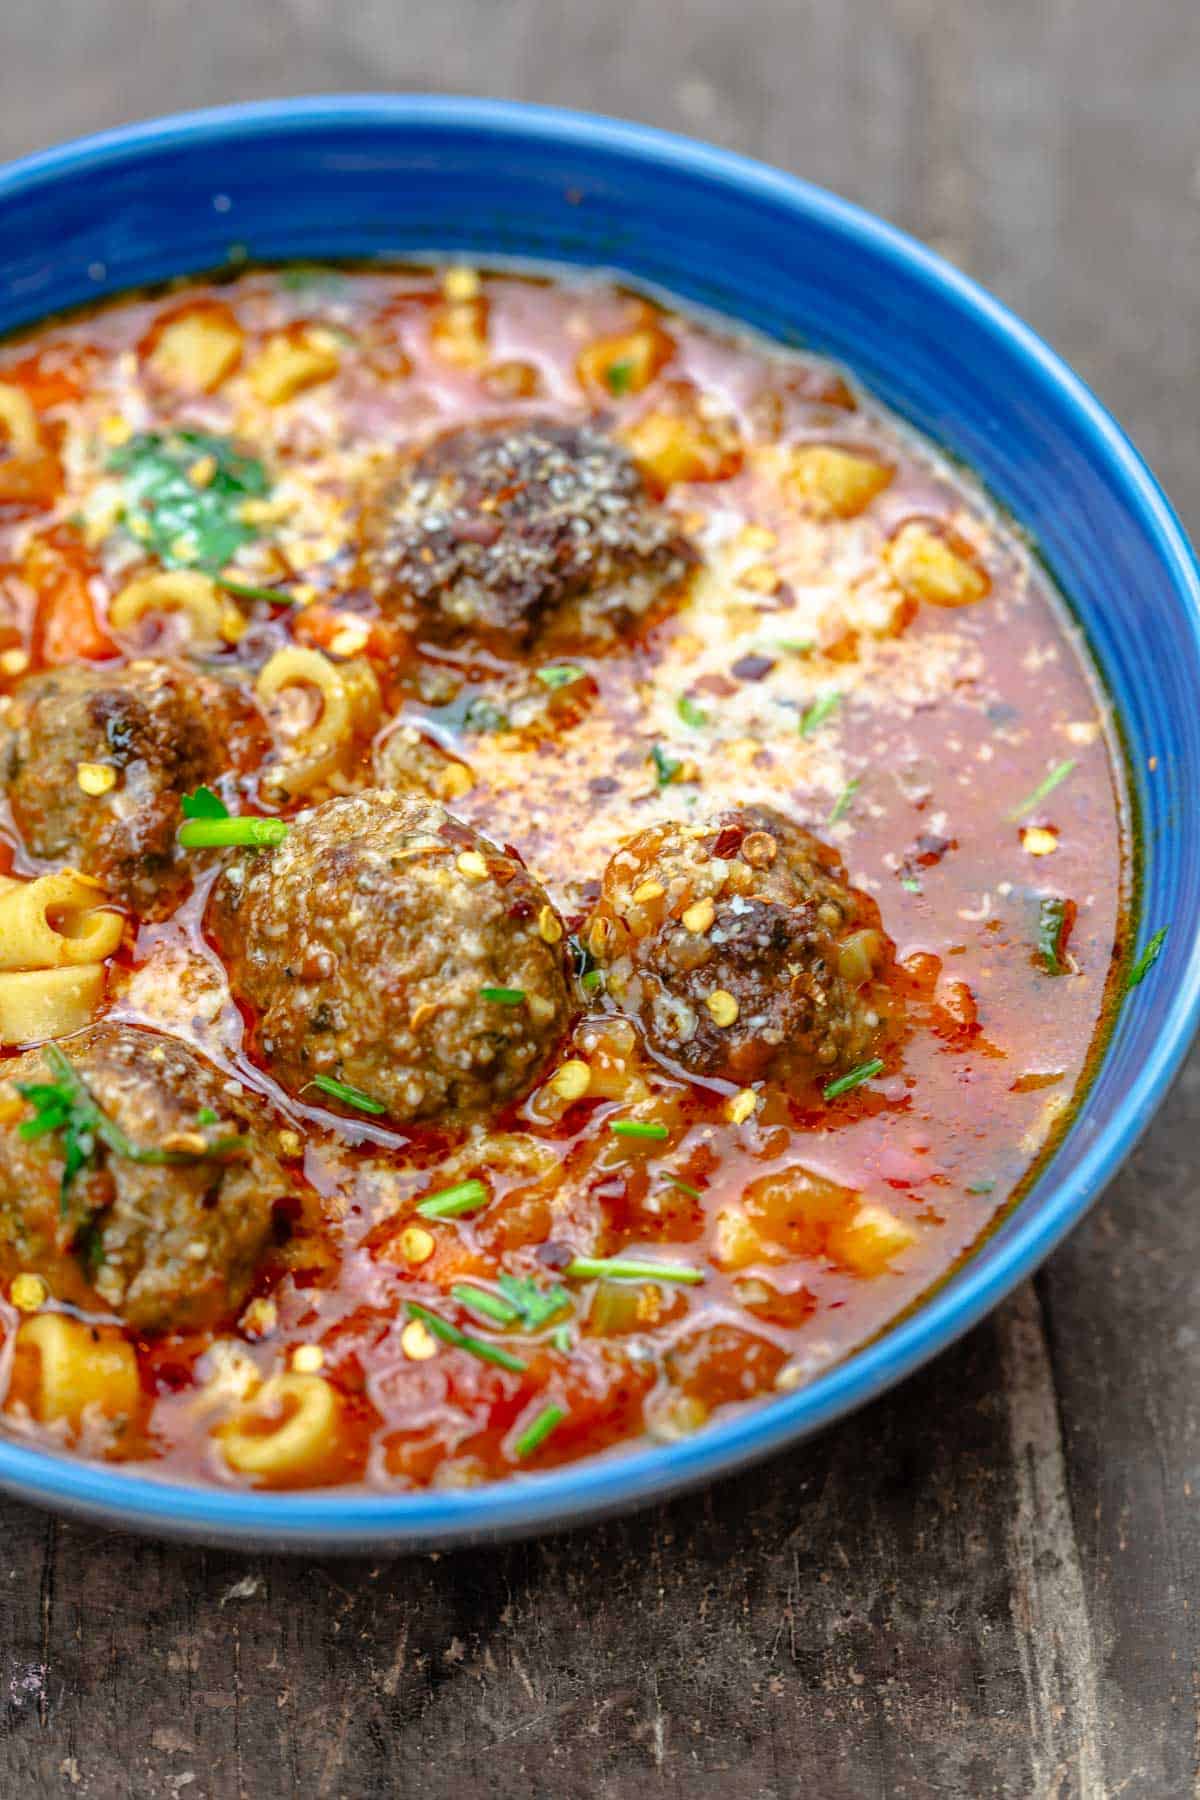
point(398, 175)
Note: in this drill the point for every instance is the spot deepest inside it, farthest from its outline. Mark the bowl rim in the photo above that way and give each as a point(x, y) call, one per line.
point(359, 1520)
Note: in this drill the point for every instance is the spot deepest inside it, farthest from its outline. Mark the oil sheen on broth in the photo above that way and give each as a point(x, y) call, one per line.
point(574, 868)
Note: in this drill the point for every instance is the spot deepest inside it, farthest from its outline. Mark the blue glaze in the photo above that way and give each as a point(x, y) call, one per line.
point(340, 177)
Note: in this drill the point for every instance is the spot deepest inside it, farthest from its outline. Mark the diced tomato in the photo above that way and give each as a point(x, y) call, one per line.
point(60, 571)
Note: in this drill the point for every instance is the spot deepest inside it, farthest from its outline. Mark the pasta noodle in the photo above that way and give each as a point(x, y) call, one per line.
point(56, 921)
point(184, 591)
point(19, 420)
point(348, 695)
point(63, 1369)
point(36, 1004)
point(289, 1434)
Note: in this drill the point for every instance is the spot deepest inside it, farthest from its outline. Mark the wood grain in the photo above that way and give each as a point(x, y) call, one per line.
point(985, 1583)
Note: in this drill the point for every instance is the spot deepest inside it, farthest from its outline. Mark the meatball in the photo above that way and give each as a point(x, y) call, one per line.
point(521, 533)
point(741, 948)
point(387, 946)
point(162, 729)
point(169, 1244)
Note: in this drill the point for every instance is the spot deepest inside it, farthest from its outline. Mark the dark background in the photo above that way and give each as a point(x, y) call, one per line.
point(985, 1584)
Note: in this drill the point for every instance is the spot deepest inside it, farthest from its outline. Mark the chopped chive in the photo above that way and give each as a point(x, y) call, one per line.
point(684, 1186)
point(247, 590)
point(844, 801)
point(690, 713)
point(666, 768)
point(592, 981)
point(203, 804)
point(449, 1203)
point(797, 646)
point(638, 1128)
point(349, 1096)
point(215, 834)
point(536, 1433)
point(622, 1268)
point(980, 1187)
point(819, 711)
point(1054, 915)
point(846, 1083)
point(619, 376)
point(1147, 959)
point(206, 1116)
point(450, 1334)
point(535, 1305)
point(487, 1305)
point(1058, 773)
point(558, 675)
point(503, 996)
point(560, 1337)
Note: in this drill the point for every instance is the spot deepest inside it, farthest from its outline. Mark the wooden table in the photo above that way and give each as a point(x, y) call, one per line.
point(984, 1584)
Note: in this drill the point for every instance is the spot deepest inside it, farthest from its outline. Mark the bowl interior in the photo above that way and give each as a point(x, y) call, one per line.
point(403, 176)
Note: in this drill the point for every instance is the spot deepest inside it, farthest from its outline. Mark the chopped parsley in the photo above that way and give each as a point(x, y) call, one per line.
point(349, 1096)
point(846, 1084)
point(559, 675)
point(844, 801)
point(821, 709)
point(67, 1106)
point(481, 714)
point(1046, 786)
point(911, 883)
point(538, 1430)
point(203, 804)
point(503, 996)
point(1147, 959)
point(450, 1334)
point(1054, 924)
point(619, 377)
point(183, 522)
point(520, 1301)
point(666, 768)
point(690, 712)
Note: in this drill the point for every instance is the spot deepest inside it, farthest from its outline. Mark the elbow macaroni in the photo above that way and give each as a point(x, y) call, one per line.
point(288, 1434)
point(55, 933)
point(349, 706)
point(19, 420)
point(183, 591)
point(64, 1370)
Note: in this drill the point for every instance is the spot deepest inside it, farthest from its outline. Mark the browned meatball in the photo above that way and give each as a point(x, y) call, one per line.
point(522, 532)
point(161, 728)
point(387, 946)
point(741, 947)
point(170, 1242)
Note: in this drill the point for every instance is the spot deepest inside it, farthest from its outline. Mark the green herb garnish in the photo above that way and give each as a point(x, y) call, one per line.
point(503, 996)
point(214, 833)
point(844, 801)
point(638, 1128)
point(1147, 959)
point(690, 712)
point(1047, 786)
point(684, 1187)
point(592, 981)
point(911, 883)
point(666, 768)
point(619, 376)
point(349, 1096)
point(206, 1116)
point(845, 1084)
point(560, 1337)
point(484, 1303)
point(819, 711)
point(536, 1433)
point(203, 804)
point(559, 675)
point(534, 1305)
point(66, 1105)
point(482, 714)
point(247, 590)
point(1053, 925)
point(450, 1334)
point(183, 524)
point(797, 646)
point(980, 1187)
point(623, 1268)
point(449, 1203)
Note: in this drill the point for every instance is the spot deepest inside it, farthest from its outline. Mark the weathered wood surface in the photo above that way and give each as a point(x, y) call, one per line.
point(986, 1583)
